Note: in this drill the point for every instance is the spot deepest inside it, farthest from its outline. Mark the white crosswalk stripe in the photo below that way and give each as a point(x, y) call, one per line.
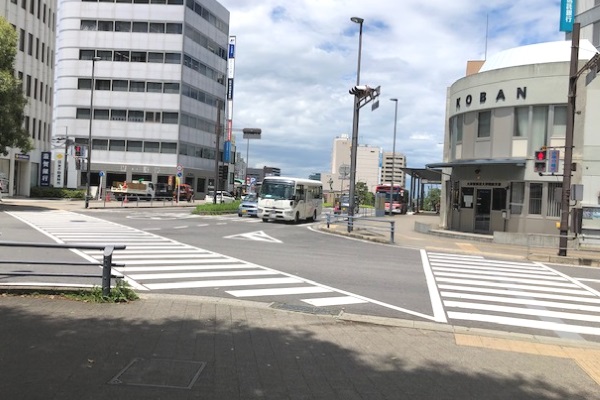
point(519, 294)
point(152, 262)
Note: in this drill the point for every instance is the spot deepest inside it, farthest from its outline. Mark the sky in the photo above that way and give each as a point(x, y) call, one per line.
point(296, 60)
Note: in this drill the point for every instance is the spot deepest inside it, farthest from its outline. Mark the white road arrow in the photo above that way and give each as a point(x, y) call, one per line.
point(258, 235)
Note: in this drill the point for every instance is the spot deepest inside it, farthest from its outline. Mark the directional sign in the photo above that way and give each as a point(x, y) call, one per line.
point(553, 160)
point(179, 174)
point(101, 173)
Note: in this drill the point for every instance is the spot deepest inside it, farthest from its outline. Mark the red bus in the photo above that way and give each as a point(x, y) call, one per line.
point(399, 198)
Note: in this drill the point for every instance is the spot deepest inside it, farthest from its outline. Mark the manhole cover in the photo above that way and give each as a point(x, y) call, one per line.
point(176, 374)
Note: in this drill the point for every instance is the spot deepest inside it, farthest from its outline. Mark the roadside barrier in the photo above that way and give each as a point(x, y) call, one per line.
point(363, 225)
point(106, 264)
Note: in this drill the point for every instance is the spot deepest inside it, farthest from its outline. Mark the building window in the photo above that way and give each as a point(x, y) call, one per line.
point(120, 85)
point(116, 145)
point(135, 116)
point(137, 86)
point(168, 148)
point(154, 87)
point(100, 144)
point(123, 26)
point(484, 122)
point(466, 200)
point(521, 121)
point(174, 28)
point(554, 199)
point(86, 54)
point(173, 58)
point(498, 199)
point(157, 27)
point(535, 198)
point(156, 57)
point(105, 55)
point(138, 56)
point(152, 116)
point(102, 84)
point(170, 118)
point(134, 146)
point(101, 113)
point(30, 44)
point(539, 126)
point(83, 83)
point(83, 113)
point(22, 40)
point(151, 147)
point(88, 25)
point(28, 86)
point(118, 115)
point(140, 27)
point(517, 196)
point(171, 88)
point(559, 121)
point(107, 26)
point(121, 55)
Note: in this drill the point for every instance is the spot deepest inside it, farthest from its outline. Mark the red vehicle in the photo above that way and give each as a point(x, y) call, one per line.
point(185, 192)
point(398, 195)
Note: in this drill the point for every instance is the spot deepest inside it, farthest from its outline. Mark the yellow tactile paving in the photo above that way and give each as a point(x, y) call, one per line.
point(587, 359)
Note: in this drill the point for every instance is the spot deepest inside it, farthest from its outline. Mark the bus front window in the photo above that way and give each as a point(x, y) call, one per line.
point(277, 191)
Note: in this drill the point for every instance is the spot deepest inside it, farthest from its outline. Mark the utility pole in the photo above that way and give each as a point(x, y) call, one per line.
point(217, 150)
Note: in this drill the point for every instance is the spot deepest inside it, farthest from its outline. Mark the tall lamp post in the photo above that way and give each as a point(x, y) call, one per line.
point(354, 146)
point(393, 153)
point(89, 147)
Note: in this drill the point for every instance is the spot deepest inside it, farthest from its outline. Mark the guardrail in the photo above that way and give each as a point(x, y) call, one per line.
point(374, 225)
point(106, 264)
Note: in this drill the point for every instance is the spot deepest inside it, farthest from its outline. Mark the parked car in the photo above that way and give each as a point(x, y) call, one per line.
point(185, 192)
point(249, 206)
point(222, 197)
point(343, 205)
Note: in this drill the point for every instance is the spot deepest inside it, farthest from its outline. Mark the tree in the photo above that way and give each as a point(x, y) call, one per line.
point(12, 100)
point(432, 199)
point(362, 192)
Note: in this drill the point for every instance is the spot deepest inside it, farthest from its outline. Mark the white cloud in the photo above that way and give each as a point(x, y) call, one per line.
point(296, 60)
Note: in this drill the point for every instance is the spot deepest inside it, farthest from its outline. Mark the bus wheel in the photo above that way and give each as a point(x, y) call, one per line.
point(265, 219)
point(314, 217)
point(297, 217)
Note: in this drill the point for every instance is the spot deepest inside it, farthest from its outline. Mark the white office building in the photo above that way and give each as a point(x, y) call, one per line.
point(34, 22)
point(146, 80)
point(391, 168)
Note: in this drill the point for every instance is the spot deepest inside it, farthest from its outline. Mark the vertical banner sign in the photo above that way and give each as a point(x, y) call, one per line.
point(45, 168)
point(230, 75)
point(567, 15)
point(553, 161)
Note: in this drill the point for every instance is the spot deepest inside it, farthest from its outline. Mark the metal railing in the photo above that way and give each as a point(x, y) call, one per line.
point(360, 223)
point(106, 264)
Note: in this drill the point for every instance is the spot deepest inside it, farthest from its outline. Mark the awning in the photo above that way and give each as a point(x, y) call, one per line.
point(429, 175)
point(519, 162)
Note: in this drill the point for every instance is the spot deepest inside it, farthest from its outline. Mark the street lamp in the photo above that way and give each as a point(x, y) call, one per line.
point(393, 153)
point(89, 149)
point(354, 146)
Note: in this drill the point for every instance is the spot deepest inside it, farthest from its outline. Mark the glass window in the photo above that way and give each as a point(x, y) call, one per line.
point(467, 197)
point(521, 122)
point(138, 56)
point(84, 84)
point(156, 27)
point(168, 148)
point(137, 86)
point(102, 84)
point(151, 147)
point(559, 125)
point(119, 85)
point(99, 144)
point(101, 114)
point(554, 199)
point(135, 116)
point(118, 115)
point(116, 145)
point(171, 87)
point(123, 26)
point(170, 118)
point(174, 28)
point(134, 145)
point(498, 199)
point(140, 27)
point(484, 122)
point(105, 55)
point(88, 25)
point(539, 126)
point(106, 26)
point(154, 87)
point(83, 113)
point(152, 116)
point(517, 196)
point(122, 55)
point(173, 58)
point(535, 198)
point(156, 57)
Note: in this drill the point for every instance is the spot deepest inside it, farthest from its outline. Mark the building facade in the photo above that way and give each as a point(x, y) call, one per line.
point(146, 81)
point(391, 168)
point(34, 22)
point(497, 119)
point(588, 15)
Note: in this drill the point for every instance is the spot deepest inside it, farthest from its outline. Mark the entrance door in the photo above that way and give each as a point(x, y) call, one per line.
point(482, 210)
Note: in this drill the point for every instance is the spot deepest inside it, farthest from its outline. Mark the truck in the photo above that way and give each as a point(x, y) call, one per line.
point(140, 190)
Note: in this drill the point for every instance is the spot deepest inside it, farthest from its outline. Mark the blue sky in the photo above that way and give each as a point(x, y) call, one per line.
point(296, 60)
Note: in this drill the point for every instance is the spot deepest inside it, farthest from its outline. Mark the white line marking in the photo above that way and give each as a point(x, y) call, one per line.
point(260, 236)
point(185, 275)
point(333, 301)
point(546, 281)
point(436, 302)
point(277, 291)
point(477, 267)
point(127, 269)
point(510, 286)
point(531, 302)
point(497, 264)
point(523, 294)
point(224, 282)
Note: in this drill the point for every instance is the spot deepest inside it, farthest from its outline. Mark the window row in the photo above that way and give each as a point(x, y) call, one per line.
point(170, 2)
point(206, 42)
point(204, 69)
point(137, 146)
point(36, 88)
point(538, 123)
point(44, 12)
point(192, 150)
point(121, 85)
point(129, 115)
point(131, 56)
point(36, 48)
point(130, 26)
point(39, 130)
point(207, 15)
point(535, 204)
point(198, 123)
point(199, 95)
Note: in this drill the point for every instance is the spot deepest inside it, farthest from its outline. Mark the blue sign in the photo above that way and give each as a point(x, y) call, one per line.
point(231, 50)
point(567, 15)
point(101, 173)
point(45, 165)
point(227, 151)
point(179, 174)
point(553, 160)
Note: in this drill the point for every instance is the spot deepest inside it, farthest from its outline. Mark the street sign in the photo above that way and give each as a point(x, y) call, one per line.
point(179, 174)
point(344, 170)
point(179, 167)
point(101, 173)
point(553, 160)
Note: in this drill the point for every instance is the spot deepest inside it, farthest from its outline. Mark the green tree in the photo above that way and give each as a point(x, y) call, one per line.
point(12, 100)
point(432, 199)
point(362, 192)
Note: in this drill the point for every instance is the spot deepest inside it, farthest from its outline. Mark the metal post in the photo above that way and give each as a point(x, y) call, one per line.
point(393, 154)
point(217, 150)
point(247, 177)
point(354, 148)
point(89, 147)
point(567, 167)
point(106, 270)
point(66, 174)
point(392, 230)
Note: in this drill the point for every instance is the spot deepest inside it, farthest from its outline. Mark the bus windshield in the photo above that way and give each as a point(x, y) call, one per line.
point(277, 190)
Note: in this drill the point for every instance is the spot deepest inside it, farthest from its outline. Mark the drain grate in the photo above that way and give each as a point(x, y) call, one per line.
point(306, 309)
point(175, 374)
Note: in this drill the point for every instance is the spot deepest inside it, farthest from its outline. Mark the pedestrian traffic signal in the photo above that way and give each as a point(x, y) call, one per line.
point(540, 161)
point(78, 151)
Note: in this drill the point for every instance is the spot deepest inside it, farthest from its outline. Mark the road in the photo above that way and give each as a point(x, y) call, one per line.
point(300, 268)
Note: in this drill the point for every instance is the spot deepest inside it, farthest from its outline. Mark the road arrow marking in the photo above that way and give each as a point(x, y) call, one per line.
point(258, 235)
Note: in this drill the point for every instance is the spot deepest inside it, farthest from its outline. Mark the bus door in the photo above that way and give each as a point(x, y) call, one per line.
point(483, 207)
point(302, 204)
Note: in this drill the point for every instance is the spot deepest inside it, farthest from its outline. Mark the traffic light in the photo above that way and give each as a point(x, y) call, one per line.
point(360, 90)
point(540, 161)
point(78, 150)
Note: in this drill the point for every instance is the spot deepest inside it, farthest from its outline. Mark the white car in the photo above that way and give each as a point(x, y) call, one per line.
point(222, 197)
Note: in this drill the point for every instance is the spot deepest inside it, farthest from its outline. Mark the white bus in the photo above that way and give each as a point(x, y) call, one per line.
point(290, 199)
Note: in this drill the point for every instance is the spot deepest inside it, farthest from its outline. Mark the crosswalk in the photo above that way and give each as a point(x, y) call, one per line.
point(519, 294)
point(151, 262)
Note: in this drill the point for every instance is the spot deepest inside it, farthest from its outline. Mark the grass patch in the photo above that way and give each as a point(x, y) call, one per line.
point(223, 208)
point(121, 293)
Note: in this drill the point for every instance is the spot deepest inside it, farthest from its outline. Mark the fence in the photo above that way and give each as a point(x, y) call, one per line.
point(362, 224)
point(106, 264)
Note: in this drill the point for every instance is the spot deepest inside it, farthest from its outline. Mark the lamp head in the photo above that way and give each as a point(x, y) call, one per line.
point(396, 100)
point(358, 20)
point(96, 58)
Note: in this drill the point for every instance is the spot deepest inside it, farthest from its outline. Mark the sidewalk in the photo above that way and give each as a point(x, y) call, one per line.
point(184, 347)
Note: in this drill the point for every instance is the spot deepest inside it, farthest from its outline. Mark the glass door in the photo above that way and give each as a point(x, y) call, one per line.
point(482, 210)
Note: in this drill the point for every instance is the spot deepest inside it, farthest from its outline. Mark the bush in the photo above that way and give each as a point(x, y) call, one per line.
point(56, 193)
point(223, 208)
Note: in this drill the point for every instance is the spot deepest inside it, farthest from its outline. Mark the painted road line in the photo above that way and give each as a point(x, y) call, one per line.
point(545, 281)
point(221, 283)
point(508, 286)
point(334, 301)
point(436, 302)
point(184, 268)
point(185, 275)
point(590, 299)
point(278, 291)
point(524, 301)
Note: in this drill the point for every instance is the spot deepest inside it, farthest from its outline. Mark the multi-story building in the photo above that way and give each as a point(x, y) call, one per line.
point(145, 80)
point(391, 168)
point(497, 118)
point(34, 22)
point(588, 15)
